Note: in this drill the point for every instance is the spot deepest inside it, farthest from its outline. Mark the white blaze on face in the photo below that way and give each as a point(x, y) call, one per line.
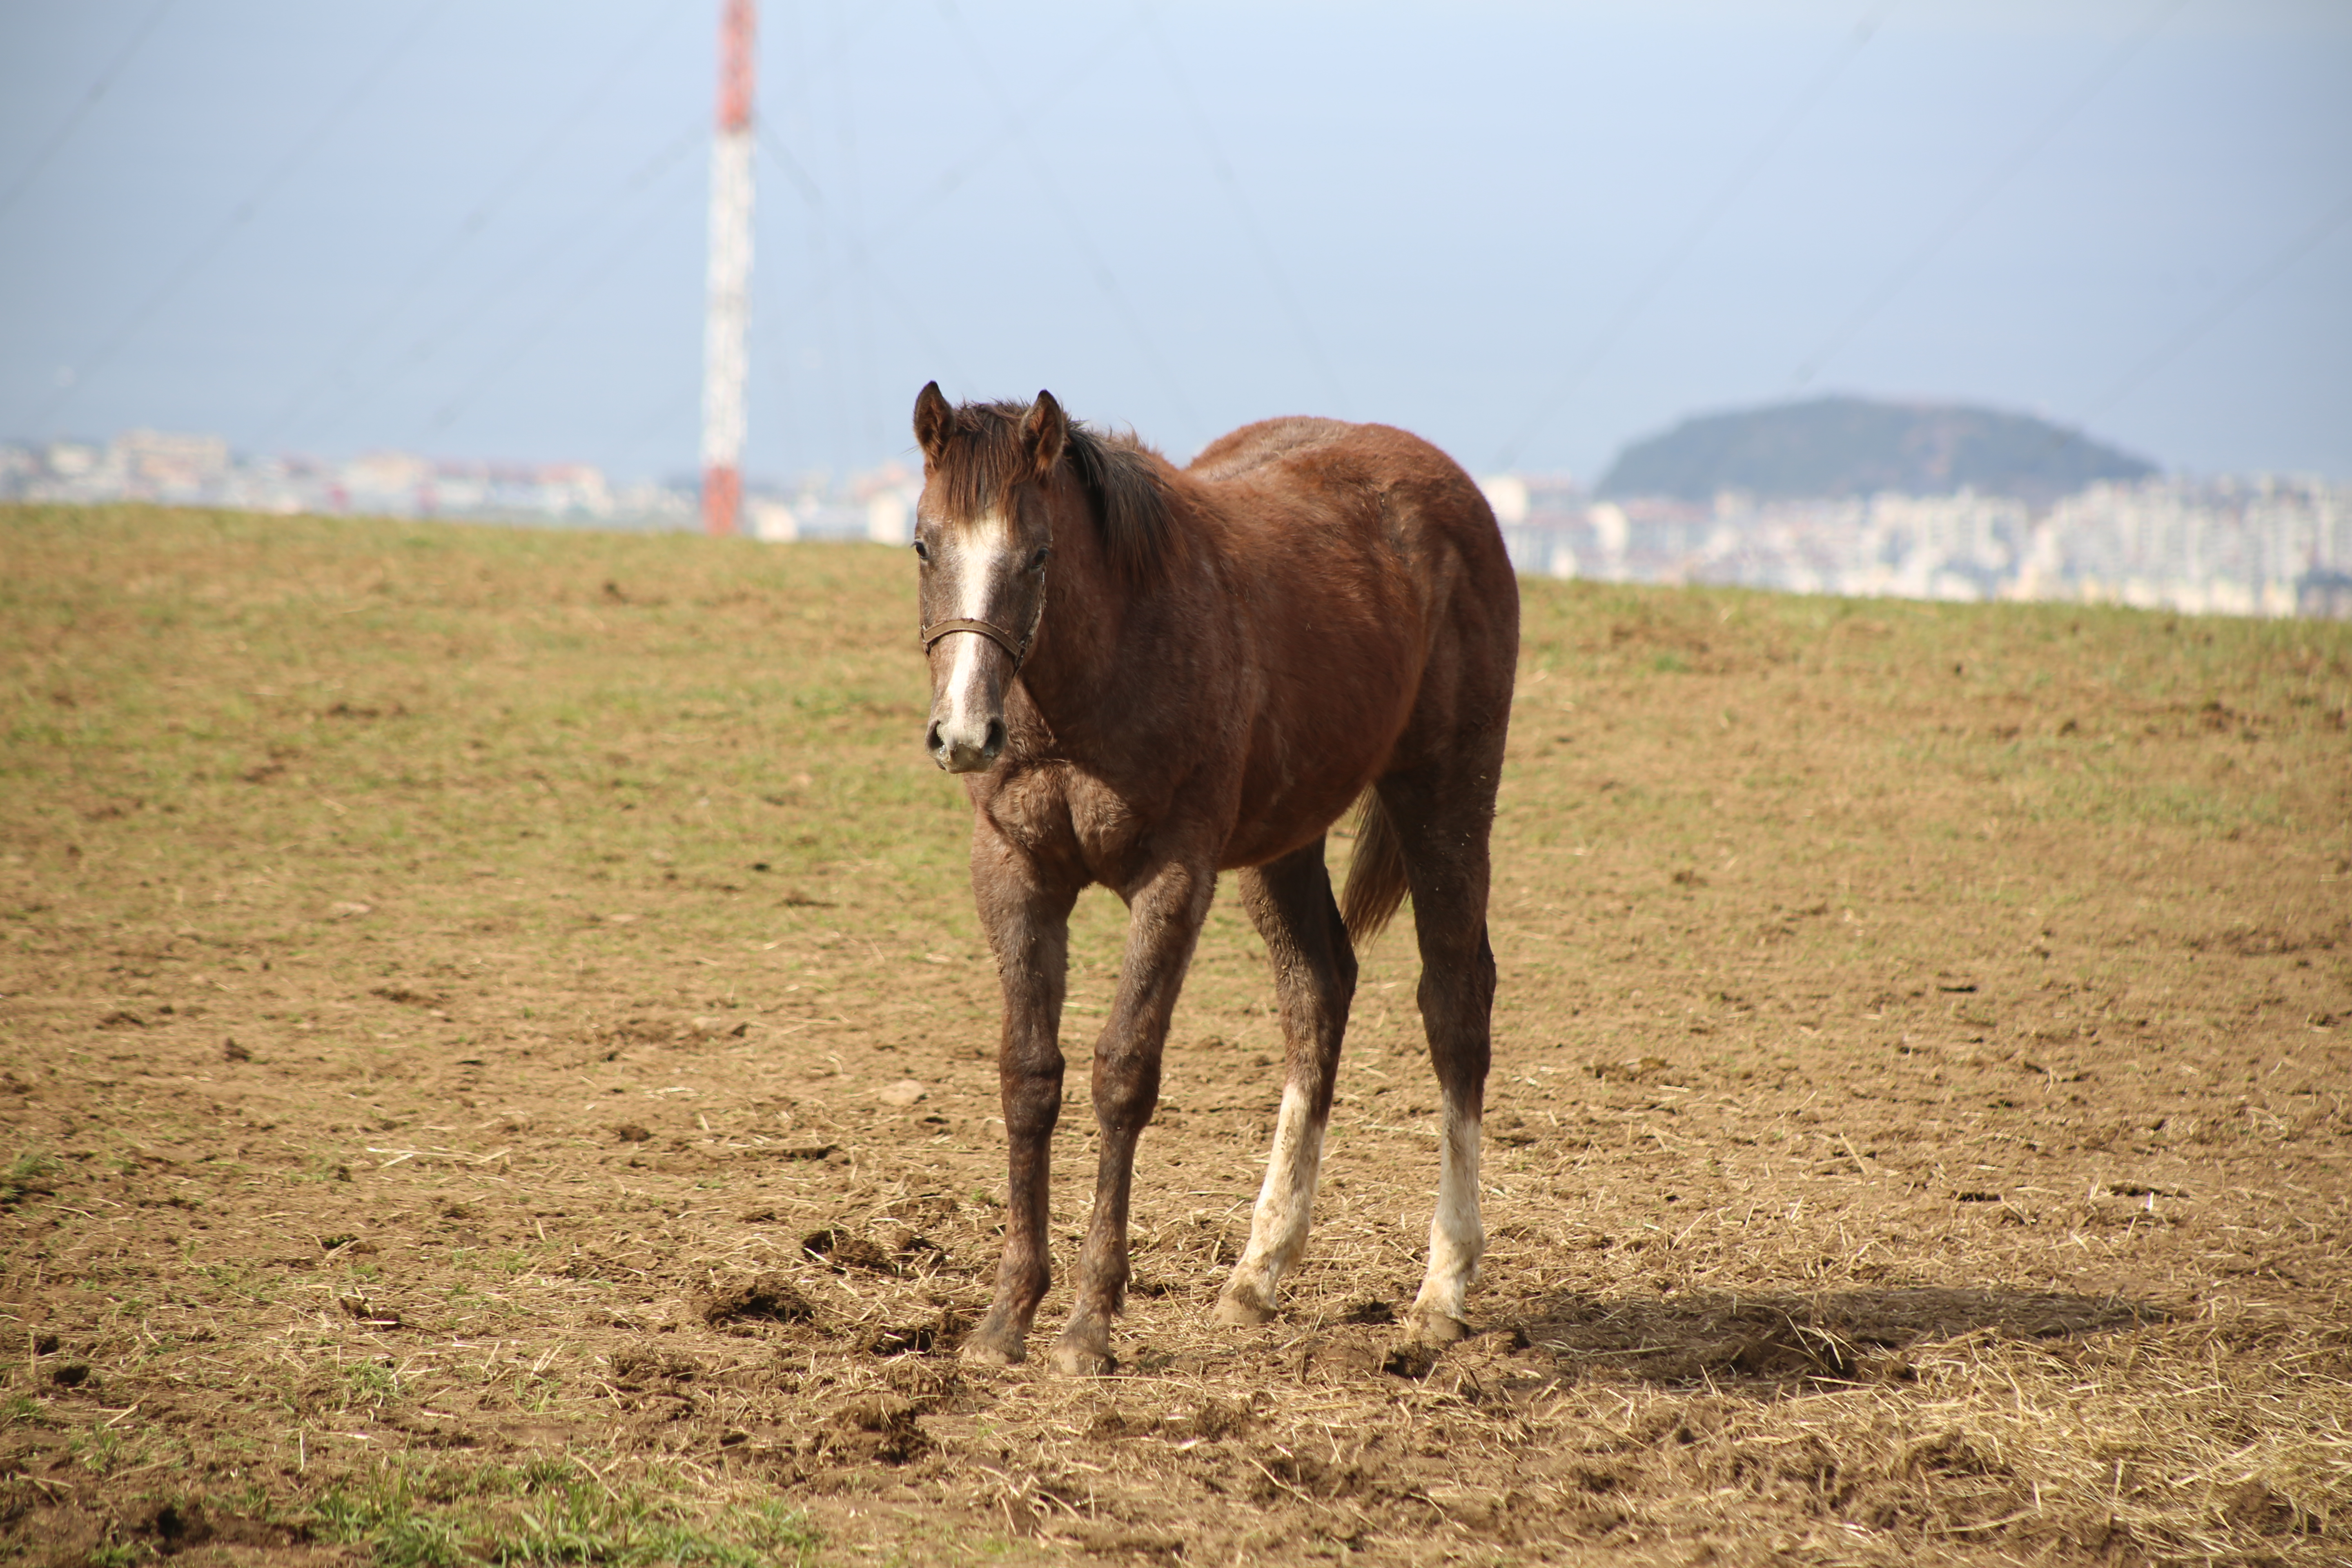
point(1458, 1237)
point(977, 557)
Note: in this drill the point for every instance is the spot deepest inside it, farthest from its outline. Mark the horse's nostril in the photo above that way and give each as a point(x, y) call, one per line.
point(995, 742)
point(931, 742)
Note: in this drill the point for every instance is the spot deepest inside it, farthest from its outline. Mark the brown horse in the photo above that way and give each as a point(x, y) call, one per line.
point(1149, 674)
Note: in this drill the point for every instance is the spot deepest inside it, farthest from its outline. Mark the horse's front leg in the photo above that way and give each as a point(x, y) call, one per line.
point(1165, 912)
point(1026, 913)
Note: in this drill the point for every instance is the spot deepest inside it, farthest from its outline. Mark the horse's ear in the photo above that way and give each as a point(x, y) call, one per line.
point(1045, 429)
point(933, 419)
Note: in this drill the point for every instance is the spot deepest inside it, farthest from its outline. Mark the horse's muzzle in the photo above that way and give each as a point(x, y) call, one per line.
point(957, 749)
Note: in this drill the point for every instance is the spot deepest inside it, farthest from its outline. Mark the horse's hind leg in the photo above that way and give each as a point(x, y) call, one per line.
point(1315, 981)
point(1443, 824)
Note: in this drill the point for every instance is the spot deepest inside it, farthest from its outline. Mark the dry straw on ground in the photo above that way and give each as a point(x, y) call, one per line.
point(495, 1067)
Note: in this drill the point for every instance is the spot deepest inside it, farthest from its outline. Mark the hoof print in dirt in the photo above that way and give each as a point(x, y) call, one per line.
point(1281, 1477)
point(930, 1383)
point(1111, 1424)
point(645, 1368)
point(765, 1297)
point(843, 1250)
point(943, 1334)
point(632, 1132)
point(69, 1374)
point(1345, 1355)
point(878, 1429)
point(1414, 1358)
point(176, 1527)
point(1217, 1420)
point(915, 1338)
point(1370, 1313)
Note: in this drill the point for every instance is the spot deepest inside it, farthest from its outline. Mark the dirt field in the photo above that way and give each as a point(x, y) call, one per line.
point(498, 1067)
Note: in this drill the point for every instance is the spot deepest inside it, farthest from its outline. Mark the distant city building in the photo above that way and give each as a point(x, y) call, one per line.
point(167, 465)
point(201, 470)
point(2242, 547)
point(2263, 546)
point(771, 521)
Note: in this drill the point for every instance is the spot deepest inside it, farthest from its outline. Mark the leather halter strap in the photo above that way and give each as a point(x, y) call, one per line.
point(993, 633)
point(1019, 649)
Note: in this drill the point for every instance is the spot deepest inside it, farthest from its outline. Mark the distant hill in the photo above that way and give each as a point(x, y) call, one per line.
point(1852, 446)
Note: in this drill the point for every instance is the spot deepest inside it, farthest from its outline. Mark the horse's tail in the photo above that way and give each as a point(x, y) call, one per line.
point(1376, 881)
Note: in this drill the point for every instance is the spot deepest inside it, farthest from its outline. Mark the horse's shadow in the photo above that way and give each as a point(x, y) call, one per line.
point(1773, 1341)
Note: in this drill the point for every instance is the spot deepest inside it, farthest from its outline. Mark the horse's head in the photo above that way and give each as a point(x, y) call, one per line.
point(984, 535)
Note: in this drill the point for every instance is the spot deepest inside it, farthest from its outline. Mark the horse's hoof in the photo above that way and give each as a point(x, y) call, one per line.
point(984, 1350)
point(1072, 1360)
point(1242, 1308)
point(1426, 1326)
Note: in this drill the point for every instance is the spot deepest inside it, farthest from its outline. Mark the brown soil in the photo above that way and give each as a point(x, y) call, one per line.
point(493, 1026)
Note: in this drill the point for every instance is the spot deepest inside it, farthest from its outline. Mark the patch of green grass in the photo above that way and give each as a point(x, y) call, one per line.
point(365, 1383)
point(100, 1449)
point(550, 1511)
point(30, 1175)
point(536, 1392)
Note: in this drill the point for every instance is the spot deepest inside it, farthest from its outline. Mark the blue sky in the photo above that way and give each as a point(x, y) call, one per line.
point(1531, 232)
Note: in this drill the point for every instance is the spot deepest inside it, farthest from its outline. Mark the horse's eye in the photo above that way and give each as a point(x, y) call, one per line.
point(1037, 561)
point(922, 552)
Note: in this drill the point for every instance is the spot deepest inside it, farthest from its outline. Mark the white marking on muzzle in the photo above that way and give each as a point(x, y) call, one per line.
point(962, 711)
point(963, 696)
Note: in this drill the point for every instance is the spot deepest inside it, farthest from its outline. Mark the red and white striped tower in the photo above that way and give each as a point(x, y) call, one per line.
point(724, 366)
